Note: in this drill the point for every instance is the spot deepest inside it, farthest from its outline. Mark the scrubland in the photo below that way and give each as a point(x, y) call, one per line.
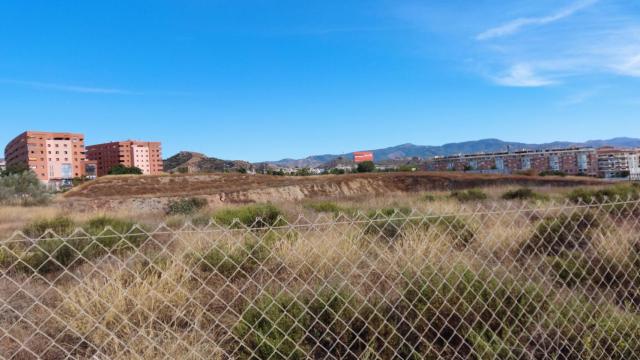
point(491, 273)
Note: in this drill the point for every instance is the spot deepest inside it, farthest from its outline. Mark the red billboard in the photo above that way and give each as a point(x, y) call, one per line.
point(362, 156)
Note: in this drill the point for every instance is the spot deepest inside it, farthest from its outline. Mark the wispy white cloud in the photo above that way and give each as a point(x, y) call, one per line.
point(68, 87)
point(522, 75)
point(562, 45)
point(629, 66)
point(516, 25)
point(579, 97)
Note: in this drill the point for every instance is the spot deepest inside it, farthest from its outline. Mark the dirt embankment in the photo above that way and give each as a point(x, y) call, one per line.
point(153, 192)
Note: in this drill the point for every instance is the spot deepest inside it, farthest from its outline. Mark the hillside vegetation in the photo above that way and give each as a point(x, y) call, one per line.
point(191, 162)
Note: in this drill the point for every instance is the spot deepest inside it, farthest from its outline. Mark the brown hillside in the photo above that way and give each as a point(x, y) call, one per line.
point(155, 191)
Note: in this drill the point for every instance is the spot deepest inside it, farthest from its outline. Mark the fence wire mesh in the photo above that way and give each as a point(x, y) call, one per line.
point(523, 281)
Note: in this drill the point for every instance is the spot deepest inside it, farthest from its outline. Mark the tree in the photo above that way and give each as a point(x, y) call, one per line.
point(303, 172)
point(366, 167)
point(23, 188)
point(124, 170)
point(15, 169)
point(336, 171)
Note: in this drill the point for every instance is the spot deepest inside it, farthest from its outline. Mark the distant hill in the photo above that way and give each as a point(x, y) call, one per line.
point(192, 162)
point(406, 151)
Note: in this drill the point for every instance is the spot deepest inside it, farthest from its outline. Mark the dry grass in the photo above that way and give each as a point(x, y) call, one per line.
point(141, 312)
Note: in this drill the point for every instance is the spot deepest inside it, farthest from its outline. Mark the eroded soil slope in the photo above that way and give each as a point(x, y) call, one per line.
point(155, 191)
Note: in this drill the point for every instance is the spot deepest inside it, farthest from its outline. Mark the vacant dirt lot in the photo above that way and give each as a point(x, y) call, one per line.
point(153, 192)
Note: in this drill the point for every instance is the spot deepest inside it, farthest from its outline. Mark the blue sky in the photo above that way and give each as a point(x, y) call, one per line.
point(264, 80)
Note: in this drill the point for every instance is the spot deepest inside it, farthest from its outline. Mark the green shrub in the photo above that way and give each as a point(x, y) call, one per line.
point(308, 326)
point(612, 193)
point(186, 206)
point(22, 188)
point(242, 260)
point(555, 234)
point(63, 247)
point(125, 170)
point(455, 312)
point(366, 167)
point(582, 330)
point(60, 226)
point(258, 216)
point(572, 268)
point(390, 224)
point(613, 337)
point(455, 227)
point(523, 194)
point(461, 307)
point(582, 270)
point(123, 233)
point(469, 195)
point(51, 255)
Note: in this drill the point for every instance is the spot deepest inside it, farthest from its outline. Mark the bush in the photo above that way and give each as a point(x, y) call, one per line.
point(15, 169)
point(186, 206)
point(464, 310)
point(453, 313)
point(63, 248)
point(523, 194)
point(124, 170)
point(61, 226)
point(366, 167)
point(335, 171)
point(308, 326)
point(469, 195)
point(123, 233)
point(242, 260)
point(51, 255)
point(22, 188)
point(555, 234)
point(257, 216)
point(612, 193)
point(390, 224)
point(572, 268)
point(582, 330)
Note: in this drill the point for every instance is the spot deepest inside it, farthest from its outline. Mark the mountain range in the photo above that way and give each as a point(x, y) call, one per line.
point(407, 151)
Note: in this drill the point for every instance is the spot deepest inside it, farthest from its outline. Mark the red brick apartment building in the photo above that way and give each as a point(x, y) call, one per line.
point(144, 155)
point(56, 158)
point(572, 161)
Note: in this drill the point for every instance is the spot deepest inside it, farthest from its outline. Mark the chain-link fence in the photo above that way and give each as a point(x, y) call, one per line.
point(516, 281)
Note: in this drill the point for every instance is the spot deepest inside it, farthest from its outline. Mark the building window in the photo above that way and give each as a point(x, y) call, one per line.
point(526, 163)
point(583, 162)
point(554, 163)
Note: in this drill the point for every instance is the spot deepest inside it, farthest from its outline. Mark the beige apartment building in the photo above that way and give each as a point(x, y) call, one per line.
point(56, 158)
point(147, 156)
point(614, 162)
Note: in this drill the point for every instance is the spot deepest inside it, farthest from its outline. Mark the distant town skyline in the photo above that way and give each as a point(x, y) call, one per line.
point(269, 80)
